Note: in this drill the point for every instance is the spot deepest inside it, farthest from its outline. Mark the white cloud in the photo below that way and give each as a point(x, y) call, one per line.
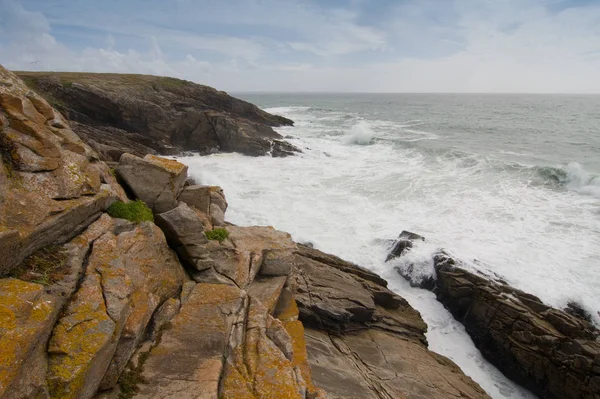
point(488, 46)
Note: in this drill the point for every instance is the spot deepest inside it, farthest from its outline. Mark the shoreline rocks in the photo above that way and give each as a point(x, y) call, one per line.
point(142, 310)
point(552, 352)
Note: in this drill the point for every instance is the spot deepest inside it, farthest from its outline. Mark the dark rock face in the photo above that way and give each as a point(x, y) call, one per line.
point(404, 243)
point(401, 247)
point(143, 114)
point(553, 353)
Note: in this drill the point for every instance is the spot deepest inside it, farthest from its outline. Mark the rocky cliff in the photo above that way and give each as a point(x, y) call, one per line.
point(143, 114)
point(181, 304)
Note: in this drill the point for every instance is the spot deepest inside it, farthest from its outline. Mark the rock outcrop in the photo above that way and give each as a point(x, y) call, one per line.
point(363, 340)
point(142, 115)
point(552, 352)
point(52, 185)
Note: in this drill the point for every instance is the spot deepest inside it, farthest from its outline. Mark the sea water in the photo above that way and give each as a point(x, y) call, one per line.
point(508, 184)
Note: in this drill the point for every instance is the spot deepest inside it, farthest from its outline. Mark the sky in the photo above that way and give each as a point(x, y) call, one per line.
point(456, 46)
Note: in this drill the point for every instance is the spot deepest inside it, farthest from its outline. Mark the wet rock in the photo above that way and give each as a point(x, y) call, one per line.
point(418, 274)
point(547, 350)
point(156, 181)
point(404, 243)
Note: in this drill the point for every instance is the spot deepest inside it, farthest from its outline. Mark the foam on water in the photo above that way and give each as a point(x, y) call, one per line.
point(542, 238)
point(360, 134)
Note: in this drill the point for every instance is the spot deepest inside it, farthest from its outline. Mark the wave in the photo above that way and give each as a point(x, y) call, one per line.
point(572, 176)
point(285, 110)
point(361, 134)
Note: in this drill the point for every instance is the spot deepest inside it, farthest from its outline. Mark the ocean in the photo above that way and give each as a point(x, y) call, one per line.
point(508, 184)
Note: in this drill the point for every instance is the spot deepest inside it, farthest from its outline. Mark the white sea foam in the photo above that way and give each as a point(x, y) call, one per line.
point(360, 134)
point(578, 179)
point(344, 197)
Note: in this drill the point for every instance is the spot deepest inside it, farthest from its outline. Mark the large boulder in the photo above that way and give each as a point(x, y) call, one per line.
point(150, 114)
point(52, 185)
point(547, 350)
point(155, 180)
point(209, 200)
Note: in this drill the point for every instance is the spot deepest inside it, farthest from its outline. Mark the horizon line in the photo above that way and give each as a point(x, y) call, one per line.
point(408, 92)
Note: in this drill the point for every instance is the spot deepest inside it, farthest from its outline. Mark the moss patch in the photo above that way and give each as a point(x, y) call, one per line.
point(46, 266)
point(134, 211)
point(217, 234)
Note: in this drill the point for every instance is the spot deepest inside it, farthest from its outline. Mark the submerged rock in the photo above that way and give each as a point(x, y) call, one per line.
point(417, 274)
point(404, 243)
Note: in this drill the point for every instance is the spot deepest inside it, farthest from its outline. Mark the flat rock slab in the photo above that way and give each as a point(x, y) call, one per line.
point(189, 359)
point(375, 364)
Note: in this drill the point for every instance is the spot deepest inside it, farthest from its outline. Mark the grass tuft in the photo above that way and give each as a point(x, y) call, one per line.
point(134, 211)
point(217, 234)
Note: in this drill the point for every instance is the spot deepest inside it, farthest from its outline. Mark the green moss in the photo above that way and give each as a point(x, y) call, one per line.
point(67, 84)
point(217, 234)
point(113, 172)
point(134, 211)
point(46, 266)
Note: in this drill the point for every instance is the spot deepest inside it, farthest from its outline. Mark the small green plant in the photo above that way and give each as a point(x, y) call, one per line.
point(134, 211)
point(217, 234)
point(113, 172)
point(46, 266)
point(67, 84)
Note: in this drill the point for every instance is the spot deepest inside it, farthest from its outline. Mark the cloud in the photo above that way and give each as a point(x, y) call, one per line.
point(284, 45)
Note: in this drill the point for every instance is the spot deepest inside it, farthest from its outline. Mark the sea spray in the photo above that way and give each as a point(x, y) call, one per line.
point(360, 134)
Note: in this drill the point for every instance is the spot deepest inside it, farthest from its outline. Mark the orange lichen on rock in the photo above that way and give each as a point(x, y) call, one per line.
point(26, 319)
